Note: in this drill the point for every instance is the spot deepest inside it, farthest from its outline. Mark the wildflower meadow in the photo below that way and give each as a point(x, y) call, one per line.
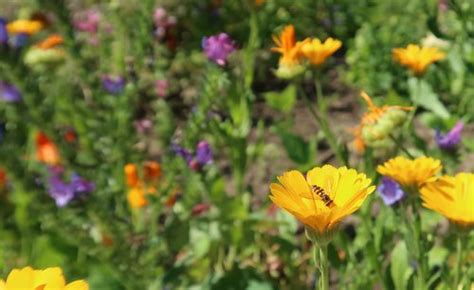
point(236, 144)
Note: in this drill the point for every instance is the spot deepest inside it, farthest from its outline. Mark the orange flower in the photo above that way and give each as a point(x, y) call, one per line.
point(136, 197)
point(139, 188)
point(286, 45)
point(3, 178)
point(131, 175)
point(417, 58)
point(46, 150)
point(50, 42)
point(317, 52)
point(151, 171)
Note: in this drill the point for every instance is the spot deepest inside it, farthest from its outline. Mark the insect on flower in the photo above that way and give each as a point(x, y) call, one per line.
point(319, 191)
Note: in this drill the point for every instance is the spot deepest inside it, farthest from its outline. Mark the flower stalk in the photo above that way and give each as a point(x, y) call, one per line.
point(323, 267)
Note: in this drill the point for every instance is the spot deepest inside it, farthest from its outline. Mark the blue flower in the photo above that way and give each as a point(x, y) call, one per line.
point(3, 31)
point(113, 84)
point(9, 93)
point(62, 192)
point(390, 191)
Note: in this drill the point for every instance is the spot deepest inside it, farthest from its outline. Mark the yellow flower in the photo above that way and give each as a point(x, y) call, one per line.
point(29, 27)
point(417, 58)
point(410, 173)
point(317, 52)
point(136, 197)
point(453, 197)
point(48, 279)
point(324, 198)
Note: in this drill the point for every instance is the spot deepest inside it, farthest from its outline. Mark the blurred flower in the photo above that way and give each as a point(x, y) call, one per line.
point(289, 64)
point(113, 84)
point(131, 175)
point(31, 279)
point(70, 136)
point(52, 41)
point(19, 40)
point(259, 2)
point(3, 31)
point(431, 40)
point(200, 209)
point(317, 52)
point(377, 124)
point(390, 191)
point(180, 151)
point(151, 171)
point(138, 188)
point(87, 21)
point(136, 197)
point(162, 22)
point(161, 88)
point(23, 26)
point(41, 57)
point(202, 158)
point(46, 150)
point(3, 178)
point(453, 197)
point(143, 126)
point(417, 58)
point(218, 47)
point(9, 93)
point(324, 198)
point(62, 192)
point(450, 140)
point(410, 173)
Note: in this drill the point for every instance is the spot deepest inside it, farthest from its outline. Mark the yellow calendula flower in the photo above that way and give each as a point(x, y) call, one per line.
point(410, 173)
point(322, 199)
point(417, 58)
point(317, 52)
point(286, 45)
point(30, 279)
point(25, 26)
point(453, 197)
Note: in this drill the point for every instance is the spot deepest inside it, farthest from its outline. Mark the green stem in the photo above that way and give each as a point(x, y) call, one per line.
point(321, 112)
point(457, 270)
point(324, 267)
point(420, 249)
point(400, 146)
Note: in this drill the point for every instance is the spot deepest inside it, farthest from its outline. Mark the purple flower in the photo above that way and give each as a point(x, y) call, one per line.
point(88, 21)
point(203, 153)
point(390, 191)
point(62, 192)
point(180, 151)
point(113, 84)
point(218, 47)
point(20, 40)
point(3, 31)
point(450, 140)
point(9, 93)
point(161, 88)
point(80, 185)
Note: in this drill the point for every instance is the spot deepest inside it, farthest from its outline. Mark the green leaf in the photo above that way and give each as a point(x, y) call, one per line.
point(259, 285)
point(422, 95)
point(437, 256)
point(400, 268)
point(283, 101)
point(296, 147)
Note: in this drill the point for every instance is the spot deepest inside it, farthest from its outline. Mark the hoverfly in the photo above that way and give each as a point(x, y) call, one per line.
point(319, 191)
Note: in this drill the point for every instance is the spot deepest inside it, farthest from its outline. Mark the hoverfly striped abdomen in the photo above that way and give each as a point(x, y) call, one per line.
point(319, 191)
